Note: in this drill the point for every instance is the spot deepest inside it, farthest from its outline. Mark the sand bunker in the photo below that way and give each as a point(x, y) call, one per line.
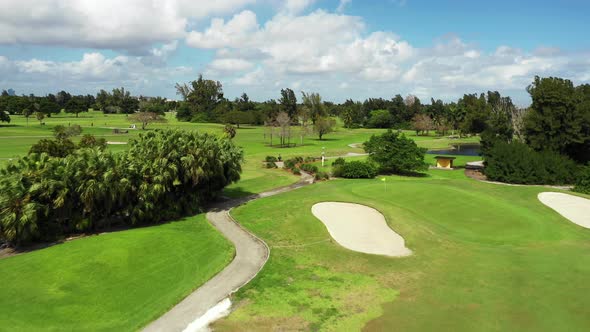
point(116, 143)
point(360, 228)
point(574, 208)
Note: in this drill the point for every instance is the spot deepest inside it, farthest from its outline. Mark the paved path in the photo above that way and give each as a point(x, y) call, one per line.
point(251, 255)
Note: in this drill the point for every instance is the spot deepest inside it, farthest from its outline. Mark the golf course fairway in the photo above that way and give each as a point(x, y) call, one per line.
point(485, 257)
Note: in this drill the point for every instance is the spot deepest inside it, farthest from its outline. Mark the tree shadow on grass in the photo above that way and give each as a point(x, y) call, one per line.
point(324, 139)
point(236, 192)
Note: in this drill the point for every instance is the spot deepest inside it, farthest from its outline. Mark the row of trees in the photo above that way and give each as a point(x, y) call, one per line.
point(118, 101)
point(203, 100)
point(48, 105)
point(164, 175)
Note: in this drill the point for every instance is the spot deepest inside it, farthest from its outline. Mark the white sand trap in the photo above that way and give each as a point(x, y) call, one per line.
point(574, 208)
point(360, 228)
point(116, 143)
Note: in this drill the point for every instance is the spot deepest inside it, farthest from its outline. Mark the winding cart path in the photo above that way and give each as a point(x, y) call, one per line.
point(251, 255)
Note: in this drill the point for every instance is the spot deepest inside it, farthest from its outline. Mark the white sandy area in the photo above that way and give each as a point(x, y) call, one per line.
point(360, 228)
point(201, 324)
point(116, 143)
point(574, 208)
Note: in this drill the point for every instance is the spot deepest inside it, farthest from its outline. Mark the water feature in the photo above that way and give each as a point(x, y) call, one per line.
point(469, 149)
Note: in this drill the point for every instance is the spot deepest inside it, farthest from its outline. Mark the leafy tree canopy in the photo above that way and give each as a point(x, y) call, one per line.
point(395, 153)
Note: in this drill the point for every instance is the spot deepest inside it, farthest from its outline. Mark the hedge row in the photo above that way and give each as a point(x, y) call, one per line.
point(517, 163)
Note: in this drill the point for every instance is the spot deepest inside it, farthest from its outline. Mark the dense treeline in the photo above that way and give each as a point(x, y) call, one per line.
point(164, 175)
point(517, 163)
point(204, 101)
point(119, 101)
point(553, 138)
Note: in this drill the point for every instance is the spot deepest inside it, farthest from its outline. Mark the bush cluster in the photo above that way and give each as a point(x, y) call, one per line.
point(355, 170)
point(583, 181)
point(271, 159)
point(309, 168)
point(165, 174)
point(338, 162)
point(63, 146)
point(293, 162)
point(321, 175)
point(517, 163)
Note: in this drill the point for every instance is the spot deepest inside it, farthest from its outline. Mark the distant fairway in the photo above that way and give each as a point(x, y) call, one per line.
point(16, 139)
point(486, 258)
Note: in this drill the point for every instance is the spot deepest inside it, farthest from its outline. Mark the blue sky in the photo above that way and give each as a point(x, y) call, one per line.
point(341, 49)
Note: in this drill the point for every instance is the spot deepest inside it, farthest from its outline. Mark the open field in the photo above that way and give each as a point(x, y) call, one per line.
point(117, 281)
point(486, 257)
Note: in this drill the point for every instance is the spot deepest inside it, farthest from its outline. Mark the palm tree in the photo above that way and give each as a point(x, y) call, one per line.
point(18, 213)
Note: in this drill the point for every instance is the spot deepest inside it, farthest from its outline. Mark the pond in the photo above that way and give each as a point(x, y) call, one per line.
point(459, 150)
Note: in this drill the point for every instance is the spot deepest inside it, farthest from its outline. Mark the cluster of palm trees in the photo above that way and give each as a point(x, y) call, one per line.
point(164, 175)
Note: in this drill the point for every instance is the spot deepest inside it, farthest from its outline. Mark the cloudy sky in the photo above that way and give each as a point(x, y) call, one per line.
point(339, 48)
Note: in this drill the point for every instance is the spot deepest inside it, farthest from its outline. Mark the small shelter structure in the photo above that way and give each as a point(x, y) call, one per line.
point(444, 162)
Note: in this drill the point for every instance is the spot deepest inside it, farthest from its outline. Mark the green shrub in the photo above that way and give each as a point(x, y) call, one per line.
point(54, 148)
point(356, 170)
point(583, 181)
point(309, 168)
point(89, 141)
point(339, 161)
point(271, 164)
point(322, 176)
point(309, 159)
point(290, 163)
point(271, 159)
point(296, 171)
point(517, 163)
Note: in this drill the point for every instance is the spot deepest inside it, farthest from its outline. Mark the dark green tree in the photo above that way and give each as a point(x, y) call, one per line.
point(395, 153)
point(76, 105)
point(4, 117)
point(315, 106)
point(559, 119)
point(202, 96)
point(288, 102)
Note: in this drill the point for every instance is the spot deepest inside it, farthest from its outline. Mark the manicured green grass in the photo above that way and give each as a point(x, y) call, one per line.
point(123, 280)
point(486, 258)
point(17, 138)
point(112, 282)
